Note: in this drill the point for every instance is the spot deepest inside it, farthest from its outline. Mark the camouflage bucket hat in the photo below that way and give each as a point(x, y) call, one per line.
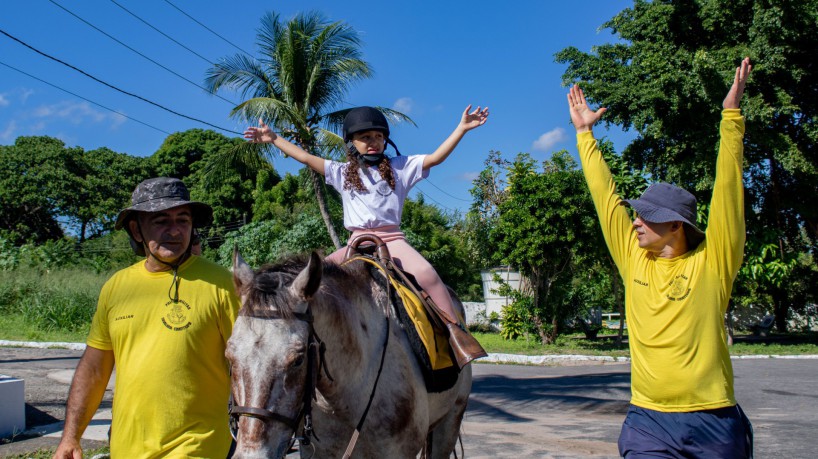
point(163, 193)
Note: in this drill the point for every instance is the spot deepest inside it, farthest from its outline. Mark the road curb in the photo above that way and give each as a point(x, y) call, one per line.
point(553, 359)
point(41, 345)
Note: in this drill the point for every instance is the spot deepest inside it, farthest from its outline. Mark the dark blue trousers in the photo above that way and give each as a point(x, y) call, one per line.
point(723, 433)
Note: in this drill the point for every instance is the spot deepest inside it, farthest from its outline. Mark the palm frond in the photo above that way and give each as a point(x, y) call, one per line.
point(239, 72)
point(245, 158)
point(332, 145)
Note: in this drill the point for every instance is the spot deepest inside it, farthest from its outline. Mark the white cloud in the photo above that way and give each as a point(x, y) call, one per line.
point(3, 101)
point(117, 120)
point(469, 176)
point(37, 128)
point(76, 113)
point(404, 105)
point(8, 132)
point(24, 94)
point(549, 139)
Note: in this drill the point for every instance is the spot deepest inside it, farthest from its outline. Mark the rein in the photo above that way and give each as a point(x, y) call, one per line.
point(354, 440)
point(315, 364)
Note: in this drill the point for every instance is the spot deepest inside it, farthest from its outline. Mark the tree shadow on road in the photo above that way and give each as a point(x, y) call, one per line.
point(504, 398)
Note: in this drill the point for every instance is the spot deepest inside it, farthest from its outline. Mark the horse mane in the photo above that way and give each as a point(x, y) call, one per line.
point(268, 290)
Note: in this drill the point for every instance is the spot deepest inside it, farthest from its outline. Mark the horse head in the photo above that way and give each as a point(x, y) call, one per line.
point(273, 354)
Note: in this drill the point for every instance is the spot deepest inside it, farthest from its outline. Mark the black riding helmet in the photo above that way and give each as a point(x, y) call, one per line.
point(362, 119)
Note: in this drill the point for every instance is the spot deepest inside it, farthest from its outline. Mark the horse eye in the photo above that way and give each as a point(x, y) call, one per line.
point(298, 361)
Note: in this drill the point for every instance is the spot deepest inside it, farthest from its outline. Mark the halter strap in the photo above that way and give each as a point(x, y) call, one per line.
point(315, 364)
point(263, 414)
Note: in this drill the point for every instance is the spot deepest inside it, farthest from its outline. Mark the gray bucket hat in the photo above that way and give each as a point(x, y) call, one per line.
point(663, 202)
point(163, 193)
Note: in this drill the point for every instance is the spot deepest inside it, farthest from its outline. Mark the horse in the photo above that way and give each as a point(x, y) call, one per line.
point(311, 331)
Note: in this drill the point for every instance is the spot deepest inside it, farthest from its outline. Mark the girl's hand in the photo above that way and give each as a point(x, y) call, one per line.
point(260, 134)
point(474, 119)
point(582, 117)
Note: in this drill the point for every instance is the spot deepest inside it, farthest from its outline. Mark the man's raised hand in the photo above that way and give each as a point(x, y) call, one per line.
point(582, 117)
point(737, 90)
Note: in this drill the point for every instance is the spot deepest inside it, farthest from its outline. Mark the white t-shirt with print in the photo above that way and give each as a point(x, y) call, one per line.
point(380, 206)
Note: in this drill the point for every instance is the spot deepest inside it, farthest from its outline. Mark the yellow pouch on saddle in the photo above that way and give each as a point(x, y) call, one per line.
point(435, 342)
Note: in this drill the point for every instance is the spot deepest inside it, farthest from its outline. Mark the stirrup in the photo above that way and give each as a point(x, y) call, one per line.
point(464, 346)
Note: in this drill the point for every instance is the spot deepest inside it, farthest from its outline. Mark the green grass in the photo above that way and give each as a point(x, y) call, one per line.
point(17, 327)
point(776, 344)
point(48, 305)
point(567, 344)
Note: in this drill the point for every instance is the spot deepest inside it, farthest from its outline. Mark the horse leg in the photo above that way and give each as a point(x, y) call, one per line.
point(442, 439)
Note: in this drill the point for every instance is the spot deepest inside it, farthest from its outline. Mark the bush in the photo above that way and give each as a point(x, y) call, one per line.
point(63, 299)
point(514, 322)
point(267, 241)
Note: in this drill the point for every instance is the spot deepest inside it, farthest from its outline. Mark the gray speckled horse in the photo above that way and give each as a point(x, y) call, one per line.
point(274, 357)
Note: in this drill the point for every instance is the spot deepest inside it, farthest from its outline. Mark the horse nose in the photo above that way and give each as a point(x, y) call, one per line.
point(251, 436)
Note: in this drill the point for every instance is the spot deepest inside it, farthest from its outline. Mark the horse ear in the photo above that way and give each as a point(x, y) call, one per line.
point(308, 280)
point(242, 272)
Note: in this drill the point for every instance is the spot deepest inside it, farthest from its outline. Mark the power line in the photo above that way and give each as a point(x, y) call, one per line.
point(207, 28)
point(447, 194)
point(426, 195)
point(83, 98)
point(137, 52)
point(163, 33)
point(114, 87)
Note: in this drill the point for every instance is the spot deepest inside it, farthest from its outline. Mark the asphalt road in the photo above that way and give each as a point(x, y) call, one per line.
point(568, 411)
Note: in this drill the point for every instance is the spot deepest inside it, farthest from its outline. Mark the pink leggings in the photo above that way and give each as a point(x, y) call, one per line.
point(408, 259)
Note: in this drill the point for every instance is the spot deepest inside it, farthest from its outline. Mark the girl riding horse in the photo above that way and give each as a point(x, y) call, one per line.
point(373, 188)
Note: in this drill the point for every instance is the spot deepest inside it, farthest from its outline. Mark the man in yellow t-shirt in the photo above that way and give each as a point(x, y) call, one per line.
point(678, 281)
point(164, 322)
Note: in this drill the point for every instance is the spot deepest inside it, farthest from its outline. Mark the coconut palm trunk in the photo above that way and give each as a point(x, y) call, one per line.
point(321, 198)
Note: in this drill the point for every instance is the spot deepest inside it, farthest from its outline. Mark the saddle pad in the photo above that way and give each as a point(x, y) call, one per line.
point(435, 343)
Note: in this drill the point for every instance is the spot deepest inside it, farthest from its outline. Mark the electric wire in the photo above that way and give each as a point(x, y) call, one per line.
point(114, 87)
point(162, 33)
point(207, 28)
point(83, 98)
point(447, 194)
point(139, 53)
point(426, 195)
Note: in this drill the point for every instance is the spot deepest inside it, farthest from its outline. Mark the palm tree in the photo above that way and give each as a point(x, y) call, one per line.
point(305, 69)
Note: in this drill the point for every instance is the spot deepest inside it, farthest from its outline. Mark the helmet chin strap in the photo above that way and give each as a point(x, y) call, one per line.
point(174, 265)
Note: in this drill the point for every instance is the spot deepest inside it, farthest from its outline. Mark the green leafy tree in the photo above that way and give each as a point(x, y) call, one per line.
point(37, 178)
point(105, 185)
point(188, 155)
point(433, 234)
point(181, 150)
point(488, 192)
point(304, 70)
point(665, 79)
point(544, 227)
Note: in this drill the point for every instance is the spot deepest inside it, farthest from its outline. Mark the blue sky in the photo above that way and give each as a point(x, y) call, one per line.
point(431, 59)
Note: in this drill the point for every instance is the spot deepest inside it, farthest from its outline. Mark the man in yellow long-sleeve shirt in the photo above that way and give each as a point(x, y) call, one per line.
point(678, 281)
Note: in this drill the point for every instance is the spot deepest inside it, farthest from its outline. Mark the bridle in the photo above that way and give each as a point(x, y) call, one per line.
point(315, 364)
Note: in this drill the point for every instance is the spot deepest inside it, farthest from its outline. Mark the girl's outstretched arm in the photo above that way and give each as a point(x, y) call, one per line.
point(468, 122)
point(263, 134)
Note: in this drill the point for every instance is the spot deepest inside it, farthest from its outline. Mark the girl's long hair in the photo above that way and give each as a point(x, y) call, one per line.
point(352, 178)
